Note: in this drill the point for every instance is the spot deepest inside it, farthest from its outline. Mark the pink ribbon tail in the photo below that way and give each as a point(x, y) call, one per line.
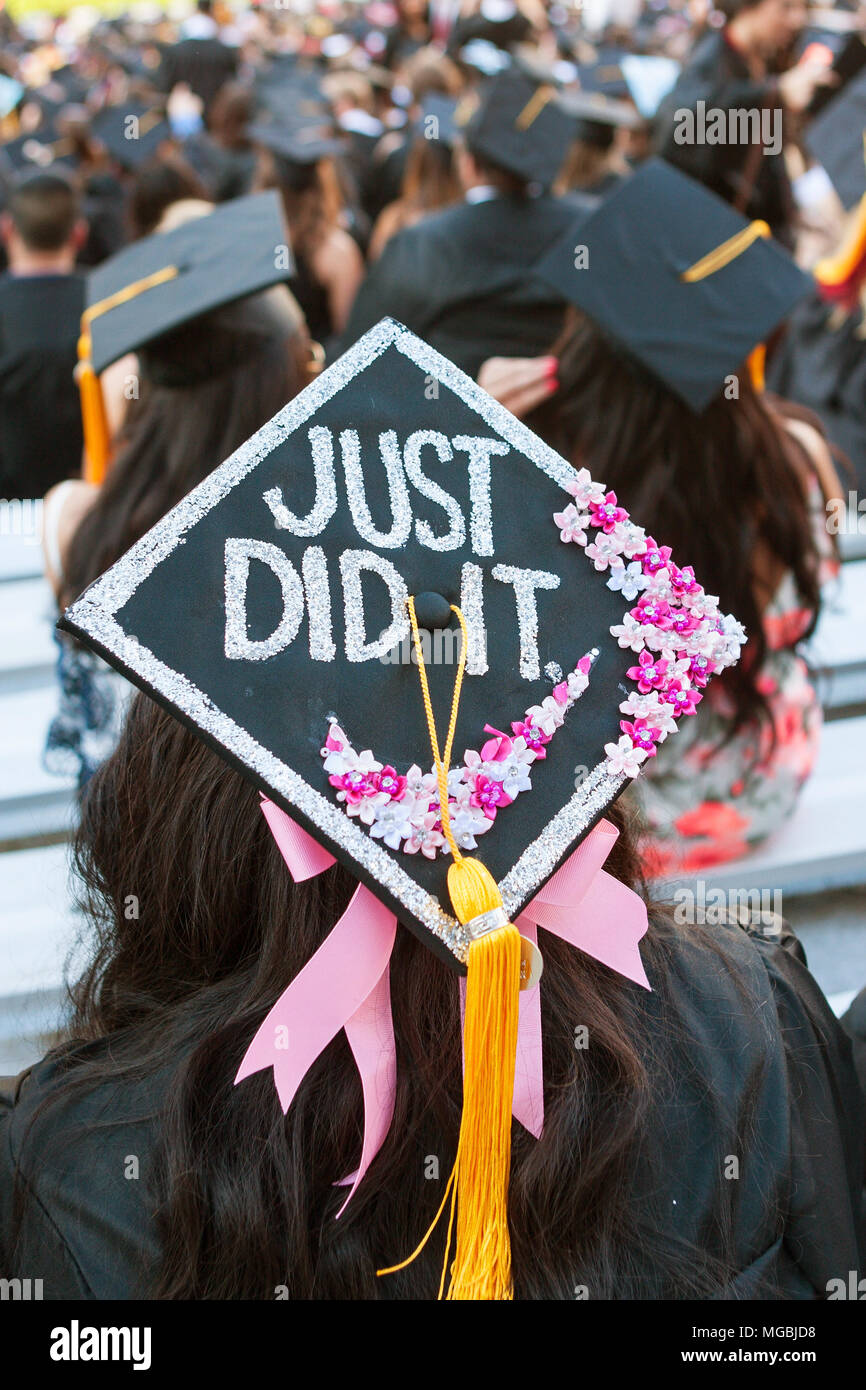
point(345, 984)
point(595, 912)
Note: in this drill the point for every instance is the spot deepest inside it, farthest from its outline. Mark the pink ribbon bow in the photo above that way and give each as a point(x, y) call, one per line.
point(345, 984)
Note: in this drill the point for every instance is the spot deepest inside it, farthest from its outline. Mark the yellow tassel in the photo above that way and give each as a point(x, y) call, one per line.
point(839, 275)
point(482, 1263)
point(97, 440)
point(756, 363)
point(478, 1184)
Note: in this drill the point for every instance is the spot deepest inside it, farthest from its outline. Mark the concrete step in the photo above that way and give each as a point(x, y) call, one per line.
point(32, 801)
point(837, 651)
point(823, 845)
point(28, 652)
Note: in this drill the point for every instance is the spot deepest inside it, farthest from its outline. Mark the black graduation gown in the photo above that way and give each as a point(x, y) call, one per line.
point(717, 75)
point(824, 367)
point(747, 1060)
point(461, 279)
point(40, 415)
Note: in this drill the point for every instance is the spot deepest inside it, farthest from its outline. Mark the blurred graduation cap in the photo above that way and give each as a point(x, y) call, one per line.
point(605, 74)
point(677, 279)
point(844, 53)
point(596, 117)
point(166, 280)
point(297, 149)
point(483, 57)
point(518, 125)
point(272, 611)
point(131, 132)
point(649, 78)
point(39, 151)
point(837, 139)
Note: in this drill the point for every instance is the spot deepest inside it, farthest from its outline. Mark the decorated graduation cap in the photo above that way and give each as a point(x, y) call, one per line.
point(518, 125)
point(166, 280)
point(677, 279)
point(132, 133)
point(440, 653)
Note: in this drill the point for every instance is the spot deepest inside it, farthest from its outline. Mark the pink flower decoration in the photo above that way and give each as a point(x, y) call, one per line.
point(655, 557)
point(655, 611)
point(333, 745)
point(700, 669)
point(572, 525)
point(683, 580)
point(584, 665)
point(641, 735)
point(560, 693)
point(682, 622)
point(496, 749)
point(650, 674)
point(606, 514)
point(356, 785)
point(683, 701)
point(535, 738)
point(390, 782)
point(489, 796)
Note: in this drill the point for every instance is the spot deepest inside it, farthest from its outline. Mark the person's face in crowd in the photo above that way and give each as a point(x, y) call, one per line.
point(772, 26)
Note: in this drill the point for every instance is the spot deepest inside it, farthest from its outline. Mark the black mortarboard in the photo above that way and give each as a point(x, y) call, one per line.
point(300, 145)
point(605, 74)
point(170, 278)
point(596, 117)
point(39, 151)
point(677, 278)
point(132, 132)
point(845, 54)
point(837, 139)
point(518, 126)
point(268, 611)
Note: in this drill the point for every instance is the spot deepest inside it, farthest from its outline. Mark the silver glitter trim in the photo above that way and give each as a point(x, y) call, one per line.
point(94, 614)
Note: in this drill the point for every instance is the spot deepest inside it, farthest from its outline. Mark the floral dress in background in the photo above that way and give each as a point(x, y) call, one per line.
point(704, 801)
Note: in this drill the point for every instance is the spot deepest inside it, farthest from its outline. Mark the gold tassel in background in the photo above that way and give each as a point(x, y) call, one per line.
point(97, 439)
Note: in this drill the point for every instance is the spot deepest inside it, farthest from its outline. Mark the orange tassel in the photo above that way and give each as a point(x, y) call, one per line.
point(97, 439)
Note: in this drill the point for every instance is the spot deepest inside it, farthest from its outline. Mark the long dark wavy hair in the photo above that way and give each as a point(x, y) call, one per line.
point(203, 392)
point(714, 486)
point(244, 1196)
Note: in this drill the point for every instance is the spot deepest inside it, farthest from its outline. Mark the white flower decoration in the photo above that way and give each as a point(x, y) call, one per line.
point(392, 822)
point(513, 771)
point(624, 758)
point(630, 633)
point(465, 826)
point(628, 580)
